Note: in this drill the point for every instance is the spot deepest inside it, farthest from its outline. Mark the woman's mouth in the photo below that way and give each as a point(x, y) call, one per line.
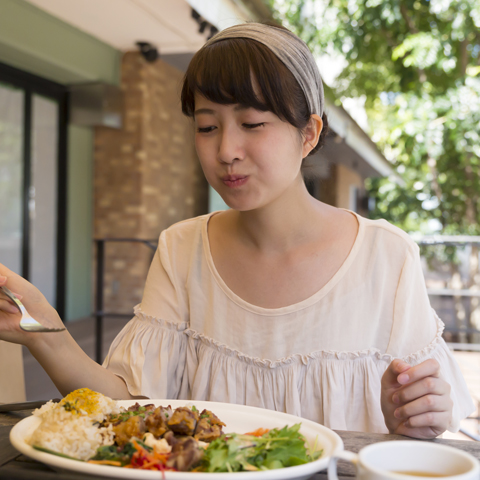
point(233, 181)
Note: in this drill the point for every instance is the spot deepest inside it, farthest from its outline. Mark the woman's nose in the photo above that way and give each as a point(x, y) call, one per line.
point(230, 148)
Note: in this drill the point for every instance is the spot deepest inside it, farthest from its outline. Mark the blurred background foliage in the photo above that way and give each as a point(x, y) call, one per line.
point(416, 64)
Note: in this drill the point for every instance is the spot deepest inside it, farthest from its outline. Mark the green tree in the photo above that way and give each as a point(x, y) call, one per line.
point(417, 64)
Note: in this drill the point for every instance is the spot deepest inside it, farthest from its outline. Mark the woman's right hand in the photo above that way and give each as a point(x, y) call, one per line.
point(35, 303)
point(64, 361)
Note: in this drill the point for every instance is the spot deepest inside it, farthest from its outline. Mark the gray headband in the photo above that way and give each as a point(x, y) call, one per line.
point(291, 50)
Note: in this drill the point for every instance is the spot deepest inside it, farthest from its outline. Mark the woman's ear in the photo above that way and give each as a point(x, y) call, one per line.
point(311, 134)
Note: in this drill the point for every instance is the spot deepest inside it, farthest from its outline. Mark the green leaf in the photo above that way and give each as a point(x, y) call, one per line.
point(53, 452)
point(278, 448)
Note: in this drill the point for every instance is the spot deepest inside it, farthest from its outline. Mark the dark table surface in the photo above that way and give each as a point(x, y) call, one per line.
point(15, 466)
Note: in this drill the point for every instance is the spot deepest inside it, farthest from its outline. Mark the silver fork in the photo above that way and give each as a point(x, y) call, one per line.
point(28, 323)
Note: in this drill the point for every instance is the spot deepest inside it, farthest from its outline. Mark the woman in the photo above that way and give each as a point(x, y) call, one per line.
point(282, 301)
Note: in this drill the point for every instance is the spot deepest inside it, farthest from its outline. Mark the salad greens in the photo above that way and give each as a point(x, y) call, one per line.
point(123, 454)
point(277, 448)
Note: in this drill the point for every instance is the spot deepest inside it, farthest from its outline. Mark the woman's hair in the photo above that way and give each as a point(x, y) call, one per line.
point(223, 73)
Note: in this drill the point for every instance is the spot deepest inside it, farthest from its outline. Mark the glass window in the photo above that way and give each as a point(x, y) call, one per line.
point(11, 176)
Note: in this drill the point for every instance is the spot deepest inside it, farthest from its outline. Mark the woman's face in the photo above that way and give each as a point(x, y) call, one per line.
point(248, 156)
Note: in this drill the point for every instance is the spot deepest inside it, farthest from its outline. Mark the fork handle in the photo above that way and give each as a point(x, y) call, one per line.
point(14, 299)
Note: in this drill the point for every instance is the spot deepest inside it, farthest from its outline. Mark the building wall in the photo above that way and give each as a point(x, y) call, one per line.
point(147, 176)
point(346, 179)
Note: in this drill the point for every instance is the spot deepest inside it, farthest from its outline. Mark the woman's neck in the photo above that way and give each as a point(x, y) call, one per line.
point(292, 220)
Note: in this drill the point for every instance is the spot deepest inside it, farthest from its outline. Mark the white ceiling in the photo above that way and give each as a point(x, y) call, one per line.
point(166, 24)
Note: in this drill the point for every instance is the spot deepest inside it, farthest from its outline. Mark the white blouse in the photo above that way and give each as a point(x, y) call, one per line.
point(321, 359)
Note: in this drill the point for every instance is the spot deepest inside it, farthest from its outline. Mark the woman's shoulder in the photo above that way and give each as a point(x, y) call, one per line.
point(186, 231)
point(383, 234)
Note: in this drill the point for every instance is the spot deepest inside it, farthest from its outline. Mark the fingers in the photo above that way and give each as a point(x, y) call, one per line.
point(394, 370)
point(428, 368)
point(424, 403)
point(427, 425)
point(425, 386)
point(429, 402)
point(423, 391)
point(3, 283)
point(433, 420)
point(424, 432)
point(6, 305)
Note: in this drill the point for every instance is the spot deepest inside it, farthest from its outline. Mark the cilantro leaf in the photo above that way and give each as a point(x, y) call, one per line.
point(278, 448)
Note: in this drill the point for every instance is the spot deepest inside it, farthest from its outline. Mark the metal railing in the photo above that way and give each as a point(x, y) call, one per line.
point(456, 241)
point(99, 313)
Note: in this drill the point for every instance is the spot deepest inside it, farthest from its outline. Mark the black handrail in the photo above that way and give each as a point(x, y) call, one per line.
point(99, 313)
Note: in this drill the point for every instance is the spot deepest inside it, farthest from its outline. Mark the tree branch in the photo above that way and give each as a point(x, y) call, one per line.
point(412, 29)
point(432, 165)
point(471, 200)
point(408, 20)
point(463, 57)
point(388, 37)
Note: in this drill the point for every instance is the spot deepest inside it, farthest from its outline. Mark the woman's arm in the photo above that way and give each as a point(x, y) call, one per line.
point(70, 367)
point(65, 362)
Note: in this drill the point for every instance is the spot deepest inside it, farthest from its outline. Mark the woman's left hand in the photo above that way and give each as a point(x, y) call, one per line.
point(416, 400)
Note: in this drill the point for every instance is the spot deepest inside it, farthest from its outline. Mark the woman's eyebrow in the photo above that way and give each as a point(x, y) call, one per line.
point(206, 111)
point(209, 111)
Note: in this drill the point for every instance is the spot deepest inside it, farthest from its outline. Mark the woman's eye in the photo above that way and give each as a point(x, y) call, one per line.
point(205, 129)
point(253, 125)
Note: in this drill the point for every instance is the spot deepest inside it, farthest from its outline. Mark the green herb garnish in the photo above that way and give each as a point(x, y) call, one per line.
point(278, 448)
point(53, 452)
point(119, 454)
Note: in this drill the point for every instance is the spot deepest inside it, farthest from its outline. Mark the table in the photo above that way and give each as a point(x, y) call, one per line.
point(14, 466)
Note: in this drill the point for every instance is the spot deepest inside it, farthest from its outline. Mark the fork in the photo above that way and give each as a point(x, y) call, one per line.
point(28, 323)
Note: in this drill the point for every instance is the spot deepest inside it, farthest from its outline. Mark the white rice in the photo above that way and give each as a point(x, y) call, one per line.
point(75, 433)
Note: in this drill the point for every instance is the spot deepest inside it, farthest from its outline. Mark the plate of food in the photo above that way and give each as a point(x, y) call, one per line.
point(90, 433)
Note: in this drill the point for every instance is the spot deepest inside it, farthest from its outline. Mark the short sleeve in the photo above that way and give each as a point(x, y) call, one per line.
point(414, 325)
point(417, 335)
point(149, 353)
point(163, 296)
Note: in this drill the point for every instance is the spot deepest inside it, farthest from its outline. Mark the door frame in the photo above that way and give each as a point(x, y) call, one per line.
point(32, 84)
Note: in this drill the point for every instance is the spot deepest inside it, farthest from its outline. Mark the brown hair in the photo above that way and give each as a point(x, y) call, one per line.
point(222, 73)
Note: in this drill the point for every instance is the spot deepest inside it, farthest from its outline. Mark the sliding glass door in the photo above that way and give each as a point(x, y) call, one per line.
point(32, 179)
point(11, 176)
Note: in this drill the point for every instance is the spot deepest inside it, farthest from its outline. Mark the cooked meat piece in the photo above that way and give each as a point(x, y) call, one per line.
point(214, 420)
point(156, 422)
point(133, 427)
point(209, 427)
point(183, 421)
point(206, 432)
point(185, 454)
point(171, 438)
point(133, 408)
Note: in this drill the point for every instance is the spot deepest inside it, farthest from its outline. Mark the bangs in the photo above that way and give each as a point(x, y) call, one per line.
point(230, 71)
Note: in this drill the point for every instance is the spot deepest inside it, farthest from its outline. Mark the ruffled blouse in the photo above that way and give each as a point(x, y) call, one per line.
point(323, 358)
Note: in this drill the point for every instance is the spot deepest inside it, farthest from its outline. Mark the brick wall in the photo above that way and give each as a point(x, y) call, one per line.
point(147, 176)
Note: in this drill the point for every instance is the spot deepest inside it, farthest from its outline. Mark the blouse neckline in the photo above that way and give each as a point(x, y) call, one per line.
point(289, 308)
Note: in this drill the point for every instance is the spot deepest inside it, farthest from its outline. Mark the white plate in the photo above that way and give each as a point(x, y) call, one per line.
point(238, 418)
